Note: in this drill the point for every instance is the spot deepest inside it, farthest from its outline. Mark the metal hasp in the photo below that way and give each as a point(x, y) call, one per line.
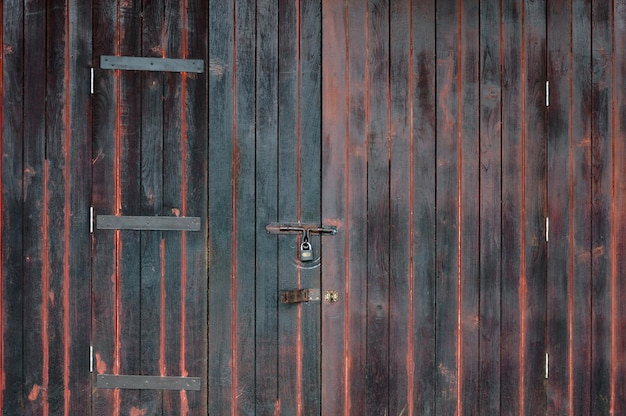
point(300, 295)
point(306, 249)
point(137, 63)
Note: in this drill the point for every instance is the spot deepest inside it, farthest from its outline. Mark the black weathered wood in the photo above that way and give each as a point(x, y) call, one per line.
point(602, 211)
point(147, 222)
point(136, 382)
point(220, 246)
point(511, 388)
point(447, 211)
point(334, 186)
point(533, 136)
point(424, 191)
point(490, 206)
point(580, 236)
point(33, 232)
point(378, 142)
point(137, 63)
point(266, 252)
point(559, 209)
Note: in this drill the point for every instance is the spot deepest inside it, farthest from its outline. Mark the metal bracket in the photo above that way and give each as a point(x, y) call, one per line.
point(158, 223)
point(137, 63)
point(300, 295)
point(113, 381)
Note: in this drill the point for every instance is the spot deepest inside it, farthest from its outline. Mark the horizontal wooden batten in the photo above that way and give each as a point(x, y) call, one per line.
point(135, 382)
point(142, 223)
point(136, 63)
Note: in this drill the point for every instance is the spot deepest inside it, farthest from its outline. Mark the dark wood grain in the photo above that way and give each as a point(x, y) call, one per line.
point(533, 290)
point(559, 207)
point(35, 239)
point(511, 376)
point(447, 212)
point(490, 206)
point(220, 274)
point(400, 201)
point(266, 286)
point(602, 211)
point(580, 108)
point(334, 188)
point(11, 205)
point(424, 187)
point(378, 142)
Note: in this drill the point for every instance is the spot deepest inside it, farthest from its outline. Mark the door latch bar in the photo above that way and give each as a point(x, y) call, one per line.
point(300, 296)
point(300, 229)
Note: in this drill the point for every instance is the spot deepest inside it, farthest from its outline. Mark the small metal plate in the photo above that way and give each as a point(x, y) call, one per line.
point(129, 222)
point(300, 295)
point(111, 381)
point(135, 63)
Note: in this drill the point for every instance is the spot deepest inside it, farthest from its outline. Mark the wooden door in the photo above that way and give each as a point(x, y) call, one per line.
point(149, 197)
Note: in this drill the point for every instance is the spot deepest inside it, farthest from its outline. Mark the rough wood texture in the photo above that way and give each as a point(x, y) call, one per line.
point(420, 129)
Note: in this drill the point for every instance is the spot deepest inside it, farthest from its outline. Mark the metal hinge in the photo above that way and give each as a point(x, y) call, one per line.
point(91, 220)
point(92, 77)
point(547, 93)
point(91, 358)
point(547, 365)
point(547, 229)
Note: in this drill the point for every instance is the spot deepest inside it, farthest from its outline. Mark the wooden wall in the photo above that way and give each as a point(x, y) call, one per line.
point(479, 258)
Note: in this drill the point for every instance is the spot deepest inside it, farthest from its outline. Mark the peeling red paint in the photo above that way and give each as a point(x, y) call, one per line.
point(101, 366)
point(34, 392)
point(137, 412)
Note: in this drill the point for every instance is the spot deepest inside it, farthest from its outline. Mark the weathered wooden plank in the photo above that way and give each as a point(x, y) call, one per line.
point(602, 216)
point(401, 277)
point(447, 208)
point(137, 382)
point(470, 149)
point(244, 227)
point(512, 389)
point(378, 142)
point(533, 278)
point(289, 198)
point(34, 232)
point(77, 292)
point(560, 172)
point(490, 200)
point(222, 375)
point(140, 63)
point(619, 231)
point(335, 396)
point(174, 199)
point(310, 152)
point(152, 258)
point(424, 190)
point(580, 235)
point(195, 325)
point(147, 222)
point(266, 286)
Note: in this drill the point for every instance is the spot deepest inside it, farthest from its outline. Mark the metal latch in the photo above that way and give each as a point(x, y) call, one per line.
point(306, 249)
point(300, 295)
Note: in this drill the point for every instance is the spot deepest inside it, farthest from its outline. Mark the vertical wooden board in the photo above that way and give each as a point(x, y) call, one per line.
point(400, 207)
point(511, 376)
point(559, 205)
point(12, 66)
point(447, 213)
point(424, 125)
point(469, 210)
point(533, 292)
point(34, 236)
point(355, 214)
point(221, 156)
point(310, 136)
point(619, 141)
point(152, 273)
point(104, 202)
point(174, 199)
point(77, 296)
point(129, 135)
point(378, 141)
point(602, 244)
point(266, 381)
point(490, 260)
point(289, 193)
point(195, 328)
point(581, 251)
point(334, 189)
point(244, 209)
